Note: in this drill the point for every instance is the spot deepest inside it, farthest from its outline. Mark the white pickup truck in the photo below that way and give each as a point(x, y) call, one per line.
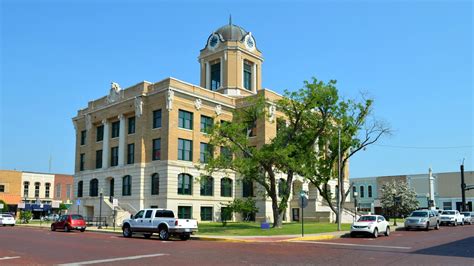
point(159, 221)
point(451, 217)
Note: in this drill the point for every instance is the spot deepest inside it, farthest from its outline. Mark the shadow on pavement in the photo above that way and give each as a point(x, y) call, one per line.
point(461, 248)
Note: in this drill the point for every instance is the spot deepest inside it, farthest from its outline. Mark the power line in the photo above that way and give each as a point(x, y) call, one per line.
point(426, 147)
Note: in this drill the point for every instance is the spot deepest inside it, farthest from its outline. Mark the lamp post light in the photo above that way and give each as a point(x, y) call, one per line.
point(355, 205)
point(100, 209)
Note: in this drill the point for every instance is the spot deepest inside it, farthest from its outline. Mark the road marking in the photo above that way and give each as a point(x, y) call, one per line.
point(355, 245)
point(114, 259)
point(10, 258)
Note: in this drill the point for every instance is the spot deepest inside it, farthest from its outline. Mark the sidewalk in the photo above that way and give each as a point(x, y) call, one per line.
point(249, 239)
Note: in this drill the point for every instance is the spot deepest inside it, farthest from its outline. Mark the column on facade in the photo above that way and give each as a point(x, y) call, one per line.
point(208, 75)
point(121, 149)
point(254, 77)
point(105, 144)
point(222, 72)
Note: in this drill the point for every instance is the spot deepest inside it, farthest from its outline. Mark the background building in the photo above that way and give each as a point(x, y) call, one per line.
point(141, 145)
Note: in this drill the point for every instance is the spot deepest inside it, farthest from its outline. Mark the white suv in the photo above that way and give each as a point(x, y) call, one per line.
point(7, 219)
point(452, 217)
point(370, 224)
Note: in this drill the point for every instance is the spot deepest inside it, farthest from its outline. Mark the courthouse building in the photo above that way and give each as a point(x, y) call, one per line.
point(141, 145)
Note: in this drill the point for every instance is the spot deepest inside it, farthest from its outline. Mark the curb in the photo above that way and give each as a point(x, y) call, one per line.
point(218, 239)
point(311, 238)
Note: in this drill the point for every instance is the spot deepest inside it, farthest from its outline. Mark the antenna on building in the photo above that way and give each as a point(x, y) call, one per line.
point(50, 161)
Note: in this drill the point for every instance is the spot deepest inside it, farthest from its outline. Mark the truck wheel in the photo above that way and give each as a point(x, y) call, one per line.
point(163, 234)
point(184, 237)
point(127, 232)
point(147, 235)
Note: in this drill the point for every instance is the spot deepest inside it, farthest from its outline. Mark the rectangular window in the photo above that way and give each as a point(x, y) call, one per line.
point(157, 118)
point(215, 76)
point(185, 150)
point(100, 133)
point(184, 212)
point(156, 149)
point(206, 213)
point(83, 137)
point(68, 191)
point(252, 129)
point(206, 123)
point(98, 159)
point(131, 153)
point(247, 189)
point(114, 156)
point(2, 188)
point(185, 119)
point(247, 76)
point(79, 189)
point(131, 125)
point(58, 191)
point(185, 184)
point(26, 188)
point(81, 162)
point(205, 152)
point(115, 129)
point(226, 153)
point(47, 189)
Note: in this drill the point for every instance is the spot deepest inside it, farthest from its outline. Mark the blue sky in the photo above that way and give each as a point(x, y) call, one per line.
point(413, 58)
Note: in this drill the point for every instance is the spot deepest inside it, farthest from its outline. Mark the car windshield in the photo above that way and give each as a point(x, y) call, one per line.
point(419, 214)
point(449, 212)
point(367, 219)
point(77, 217)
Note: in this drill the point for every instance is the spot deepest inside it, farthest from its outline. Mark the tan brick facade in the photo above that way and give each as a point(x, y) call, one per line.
point(170, 96)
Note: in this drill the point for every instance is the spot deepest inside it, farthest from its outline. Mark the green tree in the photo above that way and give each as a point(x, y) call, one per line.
point(245, 207)
point(62, 207)
point(25, 216)
point(398, 199)
point(5, 206)
point(350, 126)
point(304, 110)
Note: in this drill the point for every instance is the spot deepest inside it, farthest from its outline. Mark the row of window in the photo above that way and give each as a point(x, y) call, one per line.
point(362, 191)
point(185, 187)
point(47, 190)
point(115, 132)
point(215, 76)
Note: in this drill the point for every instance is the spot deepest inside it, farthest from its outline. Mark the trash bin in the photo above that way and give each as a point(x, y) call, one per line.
point(265, 225)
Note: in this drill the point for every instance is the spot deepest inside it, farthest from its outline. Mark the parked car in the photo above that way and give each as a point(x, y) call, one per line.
point(7, 219)
point(159, 221)
point(51, 217)
point(452, 217)
point(370, 225)
point(468, 217)
point(69, 222)
point(422, 219)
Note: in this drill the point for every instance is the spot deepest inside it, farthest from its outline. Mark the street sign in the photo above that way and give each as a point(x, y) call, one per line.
point(303, 202)
point(115, 203)
point(78, 202)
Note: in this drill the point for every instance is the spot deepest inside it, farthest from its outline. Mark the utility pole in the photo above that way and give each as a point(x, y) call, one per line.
point(463, 188)
point(339, 183)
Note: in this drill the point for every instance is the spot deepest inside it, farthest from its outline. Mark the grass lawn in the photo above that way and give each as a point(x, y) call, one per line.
point(253, 229)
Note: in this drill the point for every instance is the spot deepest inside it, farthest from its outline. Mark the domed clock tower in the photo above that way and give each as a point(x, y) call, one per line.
point(230, 62)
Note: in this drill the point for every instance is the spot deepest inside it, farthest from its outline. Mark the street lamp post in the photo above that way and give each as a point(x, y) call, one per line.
point(428, 200)
point(355, 205)
point(100, 209)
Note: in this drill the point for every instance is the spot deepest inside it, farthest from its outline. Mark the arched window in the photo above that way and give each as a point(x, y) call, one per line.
point(369, 191)
point(207, 186)
point(247, 189)
point(127, 185)
point(226, 187)
point(185, 182)
point(155, 184)
point(361, 191)
point(281, 187)
point(94, 188)
point(79, 189)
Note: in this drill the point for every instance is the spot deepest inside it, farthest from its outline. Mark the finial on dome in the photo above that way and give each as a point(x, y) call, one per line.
point(230, 19)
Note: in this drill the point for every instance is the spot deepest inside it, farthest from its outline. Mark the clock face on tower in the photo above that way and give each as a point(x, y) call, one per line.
point(213, 41)
point(250, 42)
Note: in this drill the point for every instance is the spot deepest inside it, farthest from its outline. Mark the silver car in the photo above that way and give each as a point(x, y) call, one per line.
point(422, 219)
point(468, 217)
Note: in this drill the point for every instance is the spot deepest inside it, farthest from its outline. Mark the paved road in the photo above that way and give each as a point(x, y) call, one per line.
point(448, 246)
